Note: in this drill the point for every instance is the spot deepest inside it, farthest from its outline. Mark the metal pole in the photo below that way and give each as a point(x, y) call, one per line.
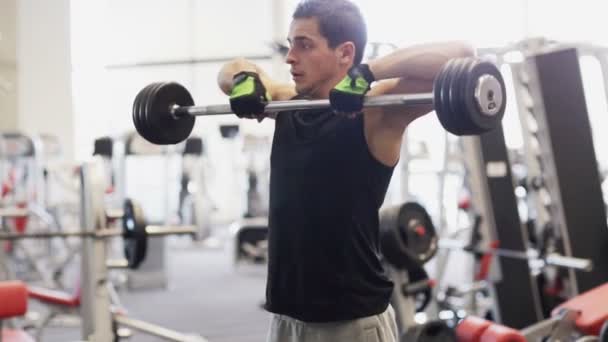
point(279, 106)
point(95, 301)
point(100, 233)
point(404, 306)
point(551, 259)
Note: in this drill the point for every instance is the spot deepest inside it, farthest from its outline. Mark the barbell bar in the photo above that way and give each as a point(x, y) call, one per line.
point(280, 106)
point(16, 212)
point(100, 233)
point(469, 98)
point(551, 259)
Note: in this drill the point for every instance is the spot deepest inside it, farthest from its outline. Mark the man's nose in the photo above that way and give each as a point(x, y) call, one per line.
point(290, 58)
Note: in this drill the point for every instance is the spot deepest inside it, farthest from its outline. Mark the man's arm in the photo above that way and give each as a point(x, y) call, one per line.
point(278, 91)
point(413, 70)
point(407, 70)
point(418, 62)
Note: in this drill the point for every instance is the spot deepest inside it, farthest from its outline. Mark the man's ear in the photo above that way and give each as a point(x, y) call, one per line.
point(346, 52)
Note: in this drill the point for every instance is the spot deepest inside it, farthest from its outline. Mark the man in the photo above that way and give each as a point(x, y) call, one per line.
point(330, 170)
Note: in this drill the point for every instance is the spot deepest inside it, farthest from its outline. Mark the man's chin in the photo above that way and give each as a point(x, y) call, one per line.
point(302, 91)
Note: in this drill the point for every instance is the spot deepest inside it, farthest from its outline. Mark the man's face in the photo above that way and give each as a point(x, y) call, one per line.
point(315, 67)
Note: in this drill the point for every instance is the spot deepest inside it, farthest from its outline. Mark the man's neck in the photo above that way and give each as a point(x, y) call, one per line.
point(323, 91)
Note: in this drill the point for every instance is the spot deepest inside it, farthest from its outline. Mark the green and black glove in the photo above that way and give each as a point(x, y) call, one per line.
point(348, 95)
point(249, 97)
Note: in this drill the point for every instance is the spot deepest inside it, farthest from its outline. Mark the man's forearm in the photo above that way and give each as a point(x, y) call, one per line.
point(226, 74)
point(420, 62)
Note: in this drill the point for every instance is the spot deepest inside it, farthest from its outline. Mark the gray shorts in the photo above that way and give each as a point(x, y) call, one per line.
point(377, 328)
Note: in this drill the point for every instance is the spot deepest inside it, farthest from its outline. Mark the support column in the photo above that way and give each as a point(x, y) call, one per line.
point(8, 70)
point(44, 72)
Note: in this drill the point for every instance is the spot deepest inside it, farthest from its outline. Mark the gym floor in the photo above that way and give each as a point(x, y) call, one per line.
point(206, 295)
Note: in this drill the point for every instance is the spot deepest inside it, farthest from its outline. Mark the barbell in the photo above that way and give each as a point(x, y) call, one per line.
point(408, 239)
point(468, 97)
point(134, 231)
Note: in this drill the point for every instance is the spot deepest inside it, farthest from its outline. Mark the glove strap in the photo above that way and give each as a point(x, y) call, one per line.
point(360, 71)
point(366, 73)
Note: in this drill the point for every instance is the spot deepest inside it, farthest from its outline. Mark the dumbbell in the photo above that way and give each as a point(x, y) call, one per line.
point(468, 97)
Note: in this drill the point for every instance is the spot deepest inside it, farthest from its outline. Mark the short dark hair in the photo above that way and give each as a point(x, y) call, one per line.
point(339, 21)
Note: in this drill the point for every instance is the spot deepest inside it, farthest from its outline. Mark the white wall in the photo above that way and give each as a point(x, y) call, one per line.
point(109, 33)
point(581, 20)
point(8, 71)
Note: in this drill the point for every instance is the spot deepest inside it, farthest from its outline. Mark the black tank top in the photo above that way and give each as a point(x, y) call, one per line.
point(325, 192)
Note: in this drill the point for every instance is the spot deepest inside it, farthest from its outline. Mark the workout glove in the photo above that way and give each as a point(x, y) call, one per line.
point(249, 97)
point(348, 95)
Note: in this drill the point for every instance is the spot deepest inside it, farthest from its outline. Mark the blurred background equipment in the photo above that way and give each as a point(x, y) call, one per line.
point(486, 238)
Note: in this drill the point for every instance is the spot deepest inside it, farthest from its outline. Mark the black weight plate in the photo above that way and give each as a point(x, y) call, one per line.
point(456, 88)
point(481, 120)
point(171, 130)
point(462, 117)
point(142, 101)
point(418, 231)
point(144, 130)
point(391, 244)
point(155, 131)
point(450, 125)
point(401, 244)
point(454, 109)
point(438, 85)
point(137, 122)
point(181, 96)
point(135, 237)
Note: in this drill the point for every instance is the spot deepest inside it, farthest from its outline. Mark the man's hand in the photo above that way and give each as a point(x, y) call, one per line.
point(248, 97)
point(348, 95)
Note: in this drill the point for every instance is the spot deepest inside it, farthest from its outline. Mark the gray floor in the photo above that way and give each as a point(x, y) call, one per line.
point(206, 295)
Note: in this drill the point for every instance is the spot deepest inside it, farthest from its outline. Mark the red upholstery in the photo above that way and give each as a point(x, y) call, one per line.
point(13, 299)
point(500, 333)
point(21, 221)
point(55, 297)
point(486, 262)
point(471, 329)
point(593, 308)
point(13, 335)
point(464, 203)
point(13, 296)
point(6, 189)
